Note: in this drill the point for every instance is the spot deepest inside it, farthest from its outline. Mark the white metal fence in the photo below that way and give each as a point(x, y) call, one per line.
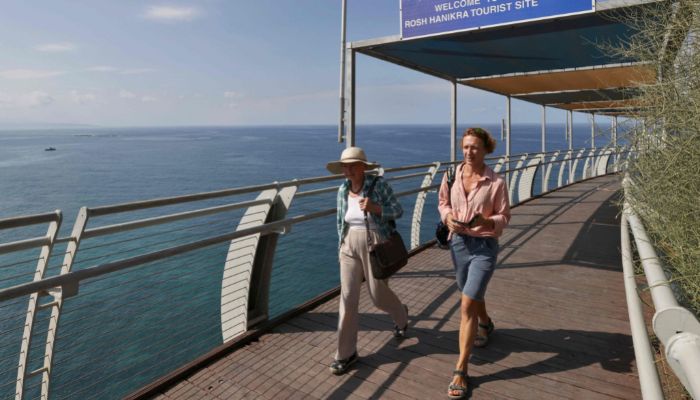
point(138, 289)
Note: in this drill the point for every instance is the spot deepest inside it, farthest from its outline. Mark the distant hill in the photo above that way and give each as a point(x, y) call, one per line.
point(43, 125)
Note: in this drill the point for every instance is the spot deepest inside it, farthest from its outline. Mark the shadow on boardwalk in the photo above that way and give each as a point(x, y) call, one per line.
point(557, 299)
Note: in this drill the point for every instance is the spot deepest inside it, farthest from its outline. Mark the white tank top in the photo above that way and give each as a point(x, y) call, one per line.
point(354, 217)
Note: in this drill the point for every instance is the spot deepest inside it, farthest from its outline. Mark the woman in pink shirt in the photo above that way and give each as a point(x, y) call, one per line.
point(476, 210)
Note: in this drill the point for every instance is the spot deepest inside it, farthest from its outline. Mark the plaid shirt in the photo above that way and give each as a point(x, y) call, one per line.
point(382, 195)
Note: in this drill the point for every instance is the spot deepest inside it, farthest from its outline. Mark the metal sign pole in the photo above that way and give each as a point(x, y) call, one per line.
point(341, 123)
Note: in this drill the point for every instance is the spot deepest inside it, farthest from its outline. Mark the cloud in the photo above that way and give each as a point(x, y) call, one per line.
point(232, 95)
point(82, 98)
point(171, 13)
point(148, 99)
point(102, 68)
point(28, 74)
point(55, 47)
point(125, 94)
point(136, 71)
point(122, 71)
point(29, 100)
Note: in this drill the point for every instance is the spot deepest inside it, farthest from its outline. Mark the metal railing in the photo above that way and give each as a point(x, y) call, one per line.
point(675, 326)
point(140, 288)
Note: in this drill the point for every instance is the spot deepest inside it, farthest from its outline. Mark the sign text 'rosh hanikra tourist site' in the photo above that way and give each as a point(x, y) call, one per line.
point(429, 17)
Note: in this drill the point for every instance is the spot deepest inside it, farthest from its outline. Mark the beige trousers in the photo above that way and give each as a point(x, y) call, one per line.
point(354, 265)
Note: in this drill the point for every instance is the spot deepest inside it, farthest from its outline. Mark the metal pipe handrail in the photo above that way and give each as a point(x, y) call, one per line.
point(514, 157)
point(26, 220)
point(139, 205)
point(74, 277)
point(166, 201)
point(126, 226)
point(676, 327)
point(649, 381)
point(24, 244)
point(537, 155)
point(659, 285)
point(101, 269)
point(192, 214)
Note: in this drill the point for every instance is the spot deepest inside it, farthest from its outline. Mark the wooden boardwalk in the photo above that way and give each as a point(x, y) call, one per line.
point(557, 299)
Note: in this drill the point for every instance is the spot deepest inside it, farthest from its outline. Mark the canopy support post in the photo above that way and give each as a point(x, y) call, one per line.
point(508, 126)
point(453, 128)
point(351, 131)
point(614, 138)
point(570, 133)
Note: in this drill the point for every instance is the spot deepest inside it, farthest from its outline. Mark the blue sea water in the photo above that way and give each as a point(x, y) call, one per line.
point(101, 166)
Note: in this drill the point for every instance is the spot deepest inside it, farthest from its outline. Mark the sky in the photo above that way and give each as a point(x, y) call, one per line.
point(214, 62)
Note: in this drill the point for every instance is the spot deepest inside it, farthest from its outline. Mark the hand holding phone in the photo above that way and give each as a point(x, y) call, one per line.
point(471, 222)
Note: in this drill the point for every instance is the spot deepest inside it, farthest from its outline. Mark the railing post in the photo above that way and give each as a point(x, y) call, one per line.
point(589, 165)
point(527, 178)
point(259, 295)
point(564, 163)
point(602, 161)
point(548, 171)
point(420, 201)
point(59, 295)
point(238, 269)
point(39, 273)
point(544, 145)
point(572, 173)
point(514, 178)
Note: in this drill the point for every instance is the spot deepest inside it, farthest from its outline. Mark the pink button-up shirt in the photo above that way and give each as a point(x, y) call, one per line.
point(489, 198)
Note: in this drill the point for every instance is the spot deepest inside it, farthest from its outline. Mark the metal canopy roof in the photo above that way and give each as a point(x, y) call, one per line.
point(557, 62)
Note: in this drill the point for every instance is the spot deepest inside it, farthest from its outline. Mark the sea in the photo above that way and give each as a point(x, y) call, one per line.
point(120, 333)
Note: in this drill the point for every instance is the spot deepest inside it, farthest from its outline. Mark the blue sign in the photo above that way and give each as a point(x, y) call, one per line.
point(429, 17)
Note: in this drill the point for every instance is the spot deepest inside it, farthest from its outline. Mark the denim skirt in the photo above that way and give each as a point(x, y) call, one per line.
point(474, 260)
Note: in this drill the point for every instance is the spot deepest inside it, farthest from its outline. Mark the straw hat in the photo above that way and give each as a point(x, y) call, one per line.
point(349, 156)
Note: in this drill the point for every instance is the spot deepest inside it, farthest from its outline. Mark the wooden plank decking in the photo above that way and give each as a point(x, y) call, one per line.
point(557, 299)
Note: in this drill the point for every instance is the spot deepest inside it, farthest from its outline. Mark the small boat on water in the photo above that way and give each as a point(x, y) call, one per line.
point(50, 149)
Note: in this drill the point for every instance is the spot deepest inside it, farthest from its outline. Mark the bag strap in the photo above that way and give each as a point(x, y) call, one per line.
point(369, 193)
point(451, 176)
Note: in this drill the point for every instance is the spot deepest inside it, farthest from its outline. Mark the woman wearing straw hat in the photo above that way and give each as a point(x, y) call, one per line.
point(475, 210)
point(382, 208)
